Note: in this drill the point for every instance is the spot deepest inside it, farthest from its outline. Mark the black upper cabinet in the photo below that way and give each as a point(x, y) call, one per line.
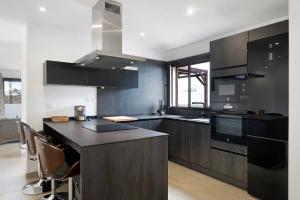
point(113, 78)
point(64, 74)
point(269, 31)
point(70, 74)
point(229, 52)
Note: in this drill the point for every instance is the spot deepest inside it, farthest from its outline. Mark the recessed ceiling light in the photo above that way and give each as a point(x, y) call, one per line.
point(142, 34)
point(43, 9)
point(190, 12)
point(132, 62)
point(97, 26)
point(131, 68)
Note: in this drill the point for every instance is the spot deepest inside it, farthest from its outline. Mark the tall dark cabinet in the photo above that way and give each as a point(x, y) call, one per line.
point(229, 52)
point(269, 56)
point(269, 31)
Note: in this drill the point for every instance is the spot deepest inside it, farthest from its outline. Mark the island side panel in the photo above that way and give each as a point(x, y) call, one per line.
point(132, 170)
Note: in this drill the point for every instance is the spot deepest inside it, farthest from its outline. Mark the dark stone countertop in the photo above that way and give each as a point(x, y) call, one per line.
point(74, 134)
point(174, 117)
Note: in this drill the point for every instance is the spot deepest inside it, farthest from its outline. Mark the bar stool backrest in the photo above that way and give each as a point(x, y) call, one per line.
point(50, 157)
point(29, 135)
point(20, 129)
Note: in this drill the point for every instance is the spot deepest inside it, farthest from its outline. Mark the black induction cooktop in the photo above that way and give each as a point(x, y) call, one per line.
point(101, 128)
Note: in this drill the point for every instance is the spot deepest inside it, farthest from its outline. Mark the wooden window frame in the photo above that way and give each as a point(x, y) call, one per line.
point(188, 62)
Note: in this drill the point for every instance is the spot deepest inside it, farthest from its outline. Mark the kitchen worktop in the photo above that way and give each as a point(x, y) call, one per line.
point(174, 117)
point(75, 135)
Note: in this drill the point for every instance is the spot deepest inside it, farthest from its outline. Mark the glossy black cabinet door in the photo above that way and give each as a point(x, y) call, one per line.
point(199, 144)
point(113, 78)
point(229, 52)
point(70, 74)
point(269, 31)
point(269, 57)
point(64, 73)
point(268, 168)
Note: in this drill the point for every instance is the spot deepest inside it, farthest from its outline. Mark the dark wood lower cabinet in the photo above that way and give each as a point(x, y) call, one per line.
point(199, 144)
point(140, 124)
point(190, 145)
point(155, 125)
point(177, 138)
point(229, 164)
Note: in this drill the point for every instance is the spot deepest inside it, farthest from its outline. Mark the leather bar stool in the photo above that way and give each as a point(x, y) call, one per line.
point(58, 162)
point(21, 133)
point(42, 185)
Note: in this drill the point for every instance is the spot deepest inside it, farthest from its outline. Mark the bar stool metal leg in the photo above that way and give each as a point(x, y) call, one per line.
point(33, 188)
point(37, 187)
point(55, 195)
point(70, 197)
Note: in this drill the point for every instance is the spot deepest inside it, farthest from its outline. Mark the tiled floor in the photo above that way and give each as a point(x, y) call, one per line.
point(184, 184)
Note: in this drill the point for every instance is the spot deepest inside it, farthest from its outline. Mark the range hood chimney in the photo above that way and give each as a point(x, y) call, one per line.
point(107, 39)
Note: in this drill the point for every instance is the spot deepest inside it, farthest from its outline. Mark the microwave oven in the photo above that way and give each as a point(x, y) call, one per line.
point(228, 94)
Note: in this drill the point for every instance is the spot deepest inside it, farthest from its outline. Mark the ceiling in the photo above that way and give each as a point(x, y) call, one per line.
point(165, 23)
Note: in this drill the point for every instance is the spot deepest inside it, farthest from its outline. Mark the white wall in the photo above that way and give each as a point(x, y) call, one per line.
point(53, 43)
point(7, 73)
point(203, 45)
point(294, 104)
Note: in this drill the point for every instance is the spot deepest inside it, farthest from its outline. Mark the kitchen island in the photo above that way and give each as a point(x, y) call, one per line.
point(126, 164)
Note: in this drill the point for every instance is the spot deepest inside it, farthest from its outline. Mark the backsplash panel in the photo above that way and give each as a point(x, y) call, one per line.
point(152, 87)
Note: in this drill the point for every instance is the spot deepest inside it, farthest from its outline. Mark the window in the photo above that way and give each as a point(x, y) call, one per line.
point(190, 84)
point(12, 91)
point(183, 86)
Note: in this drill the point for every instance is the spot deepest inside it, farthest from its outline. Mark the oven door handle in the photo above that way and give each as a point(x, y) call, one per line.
point(229, 116)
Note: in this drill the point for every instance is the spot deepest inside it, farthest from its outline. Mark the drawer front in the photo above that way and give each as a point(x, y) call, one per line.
point(229, 164)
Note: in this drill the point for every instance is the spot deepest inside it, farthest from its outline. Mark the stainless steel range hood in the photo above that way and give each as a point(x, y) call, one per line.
point(107, 39)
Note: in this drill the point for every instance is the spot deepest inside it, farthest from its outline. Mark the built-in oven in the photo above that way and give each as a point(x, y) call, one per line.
point(229, 128)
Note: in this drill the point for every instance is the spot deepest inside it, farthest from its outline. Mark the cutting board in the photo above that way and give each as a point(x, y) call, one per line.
point(121, 118)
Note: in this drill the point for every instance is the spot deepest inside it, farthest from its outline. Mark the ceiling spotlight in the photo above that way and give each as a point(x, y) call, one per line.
point(132, 62)
point(97, 58)
point(82, 64)
point(190, 12)
point(43, 9)
point(142, 34)
point(97, 26)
